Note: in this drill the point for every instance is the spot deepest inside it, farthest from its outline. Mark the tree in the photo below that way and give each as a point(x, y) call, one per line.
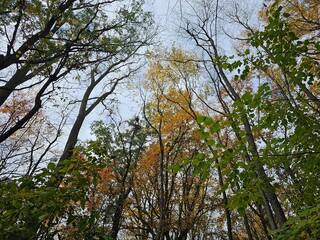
point(227, 146)
point(266, 146)
point(47, 41)
point(120, 147)
point(169, 201)
point(25, 150)
point(52, 49)
point(128, 37)
point(33, 207)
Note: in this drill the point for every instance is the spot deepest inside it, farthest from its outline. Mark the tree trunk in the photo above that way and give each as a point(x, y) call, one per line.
point(117, 217)
point(269, 193)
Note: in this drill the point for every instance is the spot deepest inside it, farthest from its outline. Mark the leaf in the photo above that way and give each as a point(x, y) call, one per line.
point(215, 128)
point(201, 119)
point(204, 136)
point(51, 166)
point(210, 142)
point(208, 121)
point(174, 167)
point(241, 211)
point(10, 212)
point(16, 203)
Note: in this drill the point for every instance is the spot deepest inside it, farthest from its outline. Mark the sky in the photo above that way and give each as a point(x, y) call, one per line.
point(164, 18)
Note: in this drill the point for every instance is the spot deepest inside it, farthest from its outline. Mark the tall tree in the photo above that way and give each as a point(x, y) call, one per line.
point(167, 203)
point(120, 147)
point(54, 48)
point(120, 62)
point(43, 42)
point(282, 75)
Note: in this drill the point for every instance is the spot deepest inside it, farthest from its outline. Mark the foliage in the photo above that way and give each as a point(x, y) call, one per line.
point(119, 147)
point(227, 146)
point(284, 80)
point(35, 207)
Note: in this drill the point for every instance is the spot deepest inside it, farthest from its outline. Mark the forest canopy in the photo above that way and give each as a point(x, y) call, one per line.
point(224, 142)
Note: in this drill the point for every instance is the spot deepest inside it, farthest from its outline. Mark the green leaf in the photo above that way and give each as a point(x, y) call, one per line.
point(16, 203)
point(208, 121)
point(210, 142)
point(247, 96)
point(10, 212)
point(201, 119)
point(204, 136)
point(241, 211)
point(174, 167)
point(215, 127)
point(51, 166)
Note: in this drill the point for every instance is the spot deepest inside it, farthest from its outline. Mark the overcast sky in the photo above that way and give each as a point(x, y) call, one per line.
point(163, 17)
point(167, 20)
